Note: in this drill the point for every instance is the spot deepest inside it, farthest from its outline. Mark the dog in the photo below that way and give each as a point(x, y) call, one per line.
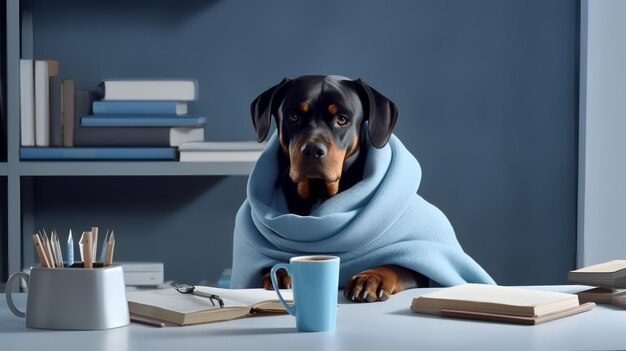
point(321, 124)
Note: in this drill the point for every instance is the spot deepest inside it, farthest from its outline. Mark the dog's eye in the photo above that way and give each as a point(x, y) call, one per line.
point(342, 120)
point(293, 118)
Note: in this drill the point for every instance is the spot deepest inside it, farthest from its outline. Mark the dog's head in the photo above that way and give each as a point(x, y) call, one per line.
point(319, 121)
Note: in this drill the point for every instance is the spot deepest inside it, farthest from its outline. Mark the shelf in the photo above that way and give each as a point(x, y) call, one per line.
point(132, 168)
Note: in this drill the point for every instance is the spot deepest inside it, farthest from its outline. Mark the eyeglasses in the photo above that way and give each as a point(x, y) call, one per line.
point(190, 289)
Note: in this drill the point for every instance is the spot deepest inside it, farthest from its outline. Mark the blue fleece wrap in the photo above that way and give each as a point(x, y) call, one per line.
point(380, 220)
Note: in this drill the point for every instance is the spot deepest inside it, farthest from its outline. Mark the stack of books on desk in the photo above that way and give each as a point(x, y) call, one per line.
point(609, 278)
point(134, 120)
point(499, 304)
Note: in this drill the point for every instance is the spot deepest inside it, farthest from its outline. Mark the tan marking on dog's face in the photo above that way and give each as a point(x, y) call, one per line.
point(332, 109)
point(295, 160)
point(304, 107)
point(303, 188)
point(333, 164)
point(282, 144)
point(332, 188)
point(353, 147)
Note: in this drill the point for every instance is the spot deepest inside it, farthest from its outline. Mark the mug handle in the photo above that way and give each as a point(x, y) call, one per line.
point(9, 285)
point(290, 309)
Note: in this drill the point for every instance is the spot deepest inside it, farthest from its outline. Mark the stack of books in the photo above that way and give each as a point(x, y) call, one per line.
point(133, 120)
point(609, 278)
point(500, 304)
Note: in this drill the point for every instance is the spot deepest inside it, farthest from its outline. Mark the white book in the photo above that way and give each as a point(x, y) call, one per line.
point(220, 156)
point(42, 104)
point(44, 69)
point(27, 103)
point(179, 135)
point(222, 146)
point(149, 90)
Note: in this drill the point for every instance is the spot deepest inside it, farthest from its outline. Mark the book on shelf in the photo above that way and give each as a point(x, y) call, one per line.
point(150, 89)
point(56, 118)
point(67, 111)
point(44, 69)
point(499, 303)
point(219, 156)
point(142, 121)
point(98, 153)
point(27, 102)
point(122, 136)
point(240, 151)
point(610, 274)
point(245, 145)
point(168, 305)
point(139, 107)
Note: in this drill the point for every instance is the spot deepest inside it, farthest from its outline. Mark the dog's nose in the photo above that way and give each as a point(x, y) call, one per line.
point(314, 149)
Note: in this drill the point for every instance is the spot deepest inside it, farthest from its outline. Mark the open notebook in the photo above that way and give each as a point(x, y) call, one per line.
point(168, 305)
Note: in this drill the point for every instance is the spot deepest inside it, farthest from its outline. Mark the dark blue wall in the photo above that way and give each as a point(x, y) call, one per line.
point(487, 94)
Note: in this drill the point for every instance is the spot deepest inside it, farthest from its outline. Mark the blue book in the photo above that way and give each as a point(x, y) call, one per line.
point(98, 153)
point(139, 107)
point(141, 121)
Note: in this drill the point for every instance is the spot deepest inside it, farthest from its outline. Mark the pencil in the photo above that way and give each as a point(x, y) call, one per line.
point(48, 249)
point(87, 247)
point(110, 247)
point(94, 238)
point(59, 252)
point(39, 247)
point(103, 252)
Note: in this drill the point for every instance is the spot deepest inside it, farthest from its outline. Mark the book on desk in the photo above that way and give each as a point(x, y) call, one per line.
point(168, 305)
point(499, 304)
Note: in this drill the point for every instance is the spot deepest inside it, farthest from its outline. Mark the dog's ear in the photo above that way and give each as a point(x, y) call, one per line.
point(381, 113)
point(263, 107)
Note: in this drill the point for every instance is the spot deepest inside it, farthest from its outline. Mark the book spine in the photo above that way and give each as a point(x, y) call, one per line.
point(98, 153)
point(56, 120)
point(136, 121)
point(42, 105)
point(27, 103)
point(152, 90)
point(67, 108)
point(139, 107)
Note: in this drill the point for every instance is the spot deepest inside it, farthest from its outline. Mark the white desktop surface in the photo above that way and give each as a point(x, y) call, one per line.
point(382, 326)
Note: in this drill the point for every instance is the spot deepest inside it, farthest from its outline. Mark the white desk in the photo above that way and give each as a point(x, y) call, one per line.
point(383, 326)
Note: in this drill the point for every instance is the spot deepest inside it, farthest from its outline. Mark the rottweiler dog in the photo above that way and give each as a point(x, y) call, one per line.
point(322, 135)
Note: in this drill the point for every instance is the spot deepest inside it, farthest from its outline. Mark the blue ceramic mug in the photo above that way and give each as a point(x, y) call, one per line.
point(315, 282)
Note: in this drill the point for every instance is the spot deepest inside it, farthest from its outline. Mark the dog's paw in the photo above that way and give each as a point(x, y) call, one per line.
point(372, 285)
point(282, 278)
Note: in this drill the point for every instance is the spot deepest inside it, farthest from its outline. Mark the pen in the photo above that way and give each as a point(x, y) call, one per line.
point(148, 321)
point(70, 250)
point(87, 243)
point(39, 247)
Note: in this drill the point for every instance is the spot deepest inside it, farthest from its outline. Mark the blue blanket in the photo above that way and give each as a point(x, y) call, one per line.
point(380, 220)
